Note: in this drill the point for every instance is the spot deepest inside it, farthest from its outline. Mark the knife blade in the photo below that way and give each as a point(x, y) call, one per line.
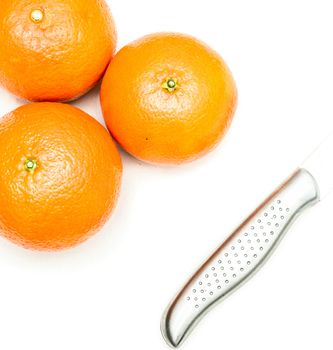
point(249, 246)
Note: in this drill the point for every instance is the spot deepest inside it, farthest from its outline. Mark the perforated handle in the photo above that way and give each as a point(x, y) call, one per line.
point(239, 256)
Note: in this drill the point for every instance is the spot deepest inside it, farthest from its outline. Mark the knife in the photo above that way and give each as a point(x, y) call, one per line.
point(249, 246)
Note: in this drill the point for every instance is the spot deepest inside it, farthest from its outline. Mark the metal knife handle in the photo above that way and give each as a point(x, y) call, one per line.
point(239, 257)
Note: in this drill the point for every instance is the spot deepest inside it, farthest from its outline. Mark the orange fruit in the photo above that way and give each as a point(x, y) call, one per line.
point(168, 98)
point(54, 50)
point(60, 176)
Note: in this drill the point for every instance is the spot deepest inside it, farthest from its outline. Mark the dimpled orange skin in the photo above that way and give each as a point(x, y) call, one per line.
point(57, 53)
point(165, 125)
point(73, 189)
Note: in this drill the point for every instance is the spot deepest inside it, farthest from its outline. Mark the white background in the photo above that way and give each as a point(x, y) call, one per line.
point(110, 292)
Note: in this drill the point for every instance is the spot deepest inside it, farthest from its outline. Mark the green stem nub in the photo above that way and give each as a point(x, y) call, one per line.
point(31, 165)
point(170, 85)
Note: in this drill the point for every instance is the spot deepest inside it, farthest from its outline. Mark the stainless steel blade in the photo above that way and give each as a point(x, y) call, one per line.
point(250, 245)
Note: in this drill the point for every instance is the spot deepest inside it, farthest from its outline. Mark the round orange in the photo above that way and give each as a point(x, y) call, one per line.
point(60, 176)
point(168, 98)
point(54, 50)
